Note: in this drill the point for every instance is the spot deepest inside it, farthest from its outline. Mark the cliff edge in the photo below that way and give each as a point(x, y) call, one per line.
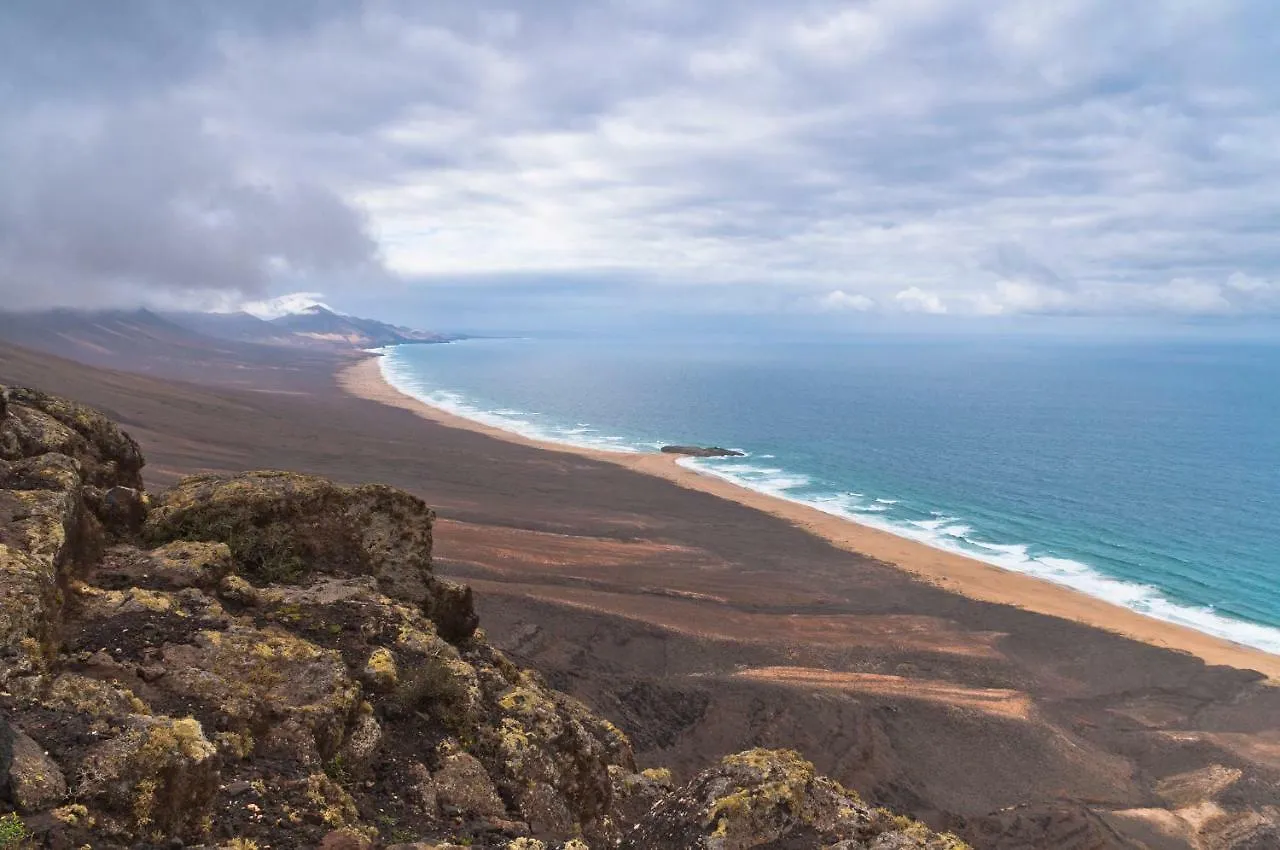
point(267, 660)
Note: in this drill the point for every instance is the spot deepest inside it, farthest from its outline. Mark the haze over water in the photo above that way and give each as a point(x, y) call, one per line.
point(1146, 473)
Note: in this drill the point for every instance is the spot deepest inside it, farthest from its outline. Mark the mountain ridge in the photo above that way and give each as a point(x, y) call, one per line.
point(321, 324)
point(215, 347)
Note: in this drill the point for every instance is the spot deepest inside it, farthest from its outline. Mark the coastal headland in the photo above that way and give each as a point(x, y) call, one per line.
point(704, 619)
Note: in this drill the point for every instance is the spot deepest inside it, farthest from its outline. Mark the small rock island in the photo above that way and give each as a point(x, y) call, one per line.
point(702, 451)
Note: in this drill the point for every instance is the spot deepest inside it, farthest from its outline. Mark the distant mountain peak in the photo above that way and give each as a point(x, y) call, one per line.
point(321, 323)
point(289, 304)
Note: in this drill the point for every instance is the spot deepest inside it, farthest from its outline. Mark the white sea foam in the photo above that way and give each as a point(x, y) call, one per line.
point(508, 419)
point(949, 534)
point(943, 532)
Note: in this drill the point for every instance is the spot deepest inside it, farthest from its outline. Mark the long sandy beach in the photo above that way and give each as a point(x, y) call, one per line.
point(967, 576)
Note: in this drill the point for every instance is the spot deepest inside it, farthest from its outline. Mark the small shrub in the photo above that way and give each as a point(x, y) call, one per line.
point(13, 832)
point(241, 844)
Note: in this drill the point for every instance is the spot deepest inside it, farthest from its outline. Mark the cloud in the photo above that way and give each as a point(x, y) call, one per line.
point(977, 156)
point(128, 193)
point(143, 198)
point(916, 300)
point(1185, 295)
point(838, 300)
point(282, 305)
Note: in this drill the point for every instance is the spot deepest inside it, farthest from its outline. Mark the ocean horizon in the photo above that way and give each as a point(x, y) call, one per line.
point(1146, 474)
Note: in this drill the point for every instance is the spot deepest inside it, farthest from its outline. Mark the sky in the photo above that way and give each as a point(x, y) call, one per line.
point(572, 160)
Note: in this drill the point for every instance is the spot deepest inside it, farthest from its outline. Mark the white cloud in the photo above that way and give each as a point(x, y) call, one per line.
point(1186, 295)
point(1013, 297)
point(283, 305)
point(1253, 286)
point(838, 301)
point(916, 300)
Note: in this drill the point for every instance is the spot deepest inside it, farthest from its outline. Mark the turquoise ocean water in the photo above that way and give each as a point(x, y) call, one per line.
point(1146, 473)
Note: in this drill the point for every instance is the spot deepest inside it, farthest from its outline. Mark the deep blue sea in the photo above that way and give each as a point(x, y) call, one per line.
point(1146, 473)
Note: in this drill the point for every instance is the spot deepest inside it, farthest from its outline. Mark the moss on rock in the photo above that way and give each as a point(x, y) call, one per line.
point(39, 423)
point(380, 671)
point(763, 797)
point(283, 527)
point(30, 779)
point(158, 776)
point(284, 691)
point(173, 566)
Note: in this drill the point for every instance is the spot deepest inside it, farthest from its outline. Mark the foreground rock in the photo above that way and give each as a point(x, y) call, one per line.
point(773, 798)
point(702, 451)
point(268, 660)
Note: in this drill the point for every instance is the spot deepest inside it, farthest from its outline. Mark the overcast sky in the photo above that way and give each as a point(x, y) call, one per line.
point(849, 158)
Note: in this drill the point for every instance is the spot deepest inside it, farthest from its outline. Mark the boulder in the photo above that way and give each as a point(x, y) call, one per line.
point(359, 752)
point(39, 423)
point(634, 794)
point(44, 531)
point(51, 471)
point(121, 510)
point(31, 779)
point(28, 612)
point(284, 527)
point(381, 672)
point(173, 566)
point(773, 798)
point(451, 607)
point(463, 783)
point(552, 757)
point(291, 696)
point(158, 776)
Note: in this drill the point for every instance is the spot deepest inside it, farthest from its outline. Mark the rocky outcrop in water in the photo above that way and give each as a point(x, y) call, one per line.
point(702, 451)
point(267, 660)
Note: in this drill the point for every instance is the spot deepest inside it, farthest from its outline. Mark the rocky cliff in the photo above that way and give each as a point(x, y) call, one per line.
point(268, 661)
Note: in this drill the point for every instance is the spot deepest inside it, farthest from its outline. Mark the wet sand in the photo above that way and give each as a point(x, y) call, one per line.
point(967, 576)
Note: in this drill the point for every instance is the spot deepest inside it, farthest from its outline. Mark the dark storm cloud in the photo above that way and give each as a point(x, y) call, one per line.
point(145, 199)
point(114, 187)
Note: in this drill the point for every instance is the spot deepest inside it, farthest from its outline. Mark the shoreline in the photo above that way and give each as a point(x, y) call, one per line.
point(953, 572)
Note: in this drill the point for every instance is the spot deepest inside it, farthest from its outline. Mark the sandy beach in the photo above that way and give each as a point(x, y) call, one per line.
point(947, 570)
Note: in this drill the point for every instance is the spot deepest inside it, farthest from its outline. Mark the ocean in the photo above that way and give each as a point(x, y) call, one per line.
point(1145, 473)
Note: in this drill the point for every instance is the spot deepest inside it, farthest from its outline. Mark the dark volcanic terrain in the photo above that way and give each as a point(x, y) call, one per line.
point(702, 627)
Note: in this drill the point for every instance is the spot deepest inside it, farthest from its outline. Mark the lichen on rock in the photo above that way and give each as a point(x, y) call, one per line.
point(31, 780)
point(759, 797)
point(157, 776)
point(285, 527)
